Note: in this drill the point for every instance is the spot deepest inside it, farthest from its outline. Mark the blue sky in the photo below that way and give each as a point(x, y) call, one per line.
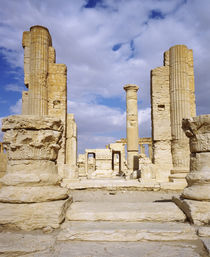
point(105, 45)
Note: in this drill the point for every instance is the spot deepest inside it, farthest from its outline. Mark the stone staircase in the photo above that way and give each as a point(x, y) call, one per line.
point(103, 216)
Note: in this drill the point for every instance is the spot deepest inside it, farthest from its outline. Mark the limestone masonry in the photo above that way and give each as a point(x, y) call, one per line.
point(144, 192)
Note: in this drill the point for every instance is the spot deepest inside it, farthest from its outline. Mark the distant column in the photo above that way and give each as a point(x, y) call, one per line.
point(132, 126)
point(180, 95)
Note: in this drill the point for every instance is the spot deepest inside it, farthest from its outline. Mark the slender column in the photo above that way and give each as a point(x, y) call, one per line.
point(39, 51)
point(150, 151)
point(132, 126)
point(180, 104)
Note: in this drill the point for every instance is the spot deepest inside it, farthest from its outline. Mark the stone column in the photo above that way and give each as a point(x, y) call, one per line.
point(150, 151)
point(31, 197)
point(132, 127)
point(36, 44)
point(195, 200)
point(180, 104)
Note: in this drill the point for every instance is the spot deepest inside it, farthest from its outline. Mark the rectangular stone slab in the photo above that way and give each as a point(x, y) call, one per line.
point(198, 212)
point(34, 215)
point(123, 211)
point(126, 231)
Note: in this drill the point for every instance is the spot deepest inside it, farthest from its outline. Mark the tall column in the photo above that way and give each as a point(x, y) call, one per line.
point(132, 127)
point(36, 44)
point(180, 104)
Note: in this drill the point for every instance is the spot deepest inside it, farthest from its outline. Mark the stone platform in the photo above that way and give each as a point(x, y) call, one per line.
point(121, 184)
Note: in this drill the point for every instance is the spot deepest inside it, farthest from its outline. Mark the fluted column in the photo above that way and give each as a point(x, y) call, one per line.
point(132, 126)
point(180, 104)
point(38, 48)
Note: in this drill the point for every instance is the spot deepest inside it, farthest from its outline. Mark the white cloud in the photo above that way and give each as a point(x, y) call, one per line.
point(14, 88)
point(84, 38)
point(16, 109)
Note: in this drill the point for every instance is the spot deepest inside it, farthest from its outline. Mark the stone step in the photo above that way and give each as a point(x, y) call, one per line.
point(178, 176)
point(110, 184)
point(126, 231)
point(125, 211)
point(179, 172)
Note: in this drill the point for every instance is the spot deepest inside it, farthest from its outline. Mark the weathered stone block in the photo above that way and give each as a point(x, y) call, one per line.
point(31, 122)
point(198, 130)
point(30, 172)
point(27, 194)
point(33, 216)
point(198, 212)
point(200, 162)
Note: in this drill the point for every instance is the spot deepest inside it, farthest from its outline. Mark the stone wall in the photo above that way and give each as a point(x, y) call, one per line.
point(161, 125)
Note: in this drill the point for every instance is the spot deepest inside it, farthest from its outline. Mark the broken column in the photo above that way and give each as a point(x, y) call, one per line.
point(31, 197)
point(36, 44)
point(180, 97)
point(132, 127)
point(195, 200)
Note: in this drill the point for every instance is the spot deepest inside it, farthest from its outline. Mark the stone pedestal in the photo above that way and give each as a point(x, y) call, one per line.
point(195, 200)
point(31, 197)
point(132, 127)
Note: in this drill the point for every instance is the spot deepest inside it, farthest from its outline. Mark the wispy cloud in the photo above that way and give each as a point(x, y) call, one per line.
point(16, 109)
point(14, 88)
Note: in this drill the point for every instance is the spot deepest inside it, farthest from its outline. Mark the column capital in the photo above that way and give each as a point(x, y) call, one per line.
point(131, 87)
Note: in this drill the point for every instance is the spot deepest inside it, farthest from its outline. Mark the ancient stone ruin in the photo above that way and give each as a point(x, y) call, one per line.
point(152, 195)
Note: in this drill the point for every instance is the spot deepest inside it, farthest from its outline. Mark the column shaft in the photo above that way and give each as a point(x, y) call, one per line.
point(180, 104)
point(39, 48)
point(132, 126)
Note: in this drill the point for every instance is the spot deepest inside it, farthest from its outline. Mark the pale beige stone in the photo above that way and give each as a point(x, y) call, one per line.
point(206, 243)
point(26, 194)
point(36, 44)
point(126, 232)
point(32, 144)
point(31, 122)
point(123, 211)
point(28, 202)
point(71, 143)
point(110, 184)
point(204, 231)
point(199, 192)
point(160, 104)
point(119, 149)
point(132, 130)
point(134, 249)
point(197, 208)
point(198, 212)
point(30, 172)
point(180, 103)
point(200, 162)
point(172, 99)
point(198, 130)
point(21, 242)
point(34, 215)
